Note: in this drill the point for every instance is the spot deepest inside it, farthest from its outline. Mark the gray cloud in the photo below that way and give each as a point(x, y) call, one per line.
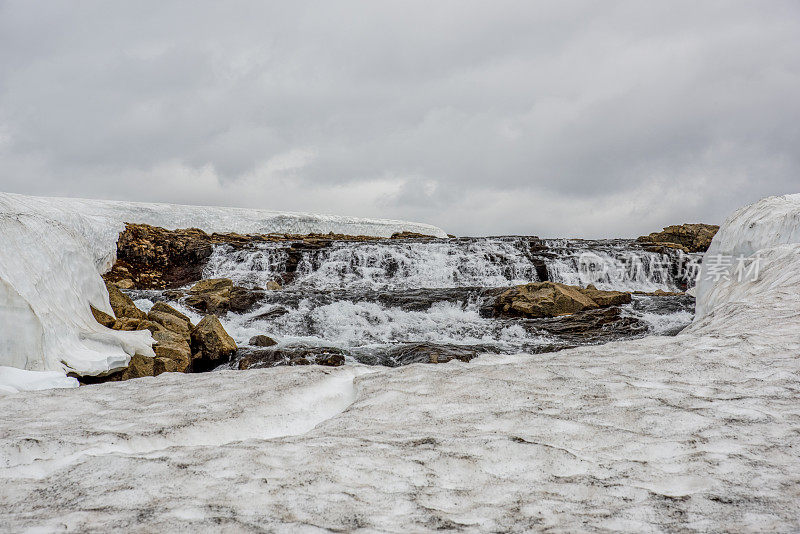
point(558, 119)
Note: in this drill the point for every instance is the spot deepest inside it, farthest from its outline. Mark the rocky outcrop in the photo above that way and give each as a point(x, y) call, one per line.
point(550, 299)
point(211, 345)
point(685, 237)
point(150, 257)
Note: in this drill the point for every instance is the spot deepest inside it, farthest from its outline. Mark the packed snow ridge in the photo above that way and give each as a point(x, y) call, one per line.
point(54, 250)
point(696, 432)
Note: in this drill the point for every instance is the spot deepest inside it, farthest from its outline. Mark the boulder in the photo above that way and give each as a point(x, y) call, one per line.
point(262, 341)
point(103, 318)
point(548, 299)
point(122, 304)
point(272, 285)
point(687, 237)
point(218, 295)
point(211, 345)
point(542, 299)
point(180, 326)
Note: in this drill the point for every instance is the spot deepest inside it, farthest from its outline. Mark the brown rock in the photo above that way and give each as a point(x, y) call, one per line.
point(164, 365)
point(606, 298)
point(180, 353)
point(272, 285)
point(103, 318)
point(138, 367)
point(128, 323)
point(687, 237)
point(543, 299)
point(211, 344)
point(171, 322)
point(163, 307)
point(168, 336)
point(122, 304)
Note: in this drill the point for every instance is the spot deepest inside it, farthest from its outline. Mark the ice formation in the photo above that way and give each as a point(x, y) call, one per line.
point(697, 432)
point(54, 249)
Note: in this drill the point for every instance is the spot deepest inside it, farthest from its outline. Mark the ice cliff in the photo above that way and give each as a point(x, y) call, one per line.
point(53, 250)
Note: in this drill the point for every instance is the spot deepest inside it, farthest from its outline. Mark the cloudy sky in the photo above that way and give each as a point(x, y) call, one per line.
point(584, 119)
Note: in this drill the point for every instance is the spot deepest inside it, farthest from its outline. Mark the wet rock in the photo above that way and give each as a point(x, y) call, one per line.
point(262, 341)
point(103, 318)
point(431, 353)
point(272, 313)
point(290, 355)
point(272, 285)
point(122, 304)
point(211, 345)
point(592, 326)
point(688, 237)
point(242, 300)
point(219, 295)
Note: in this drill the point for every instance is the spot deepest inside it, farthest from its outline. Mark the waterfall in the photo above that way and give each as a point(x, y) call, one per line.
point(467, 262)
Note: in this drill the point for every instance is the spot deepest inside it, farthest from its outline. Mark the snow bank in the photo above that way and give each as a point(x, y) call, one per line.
point(697, 432)
point(54, 249)
point(749, 230)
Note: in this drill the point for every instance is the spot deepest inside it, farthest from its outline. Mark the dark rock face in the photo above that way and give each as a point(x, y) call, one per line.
point(592, 326)
point(262, 341)
point(686, 237)
point(149, 257)
point(431, 353)
point(290, 355)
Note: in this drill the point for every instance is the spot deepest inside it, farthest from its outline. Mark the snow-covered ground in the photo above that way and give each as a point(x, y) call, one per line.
point(698, 432)
point(53, 250)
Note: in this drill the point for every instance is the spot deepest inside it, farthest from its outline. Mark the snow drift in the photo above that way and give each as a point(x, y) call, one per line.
point(54, 250)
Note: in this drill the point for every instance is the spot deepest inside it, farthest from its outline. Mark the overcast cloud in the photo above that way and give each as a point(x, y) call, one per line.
point(584, 119)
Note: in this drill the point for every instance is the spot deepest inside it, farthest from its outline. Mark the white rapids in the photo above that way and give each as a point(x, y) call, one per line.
point(696, 432)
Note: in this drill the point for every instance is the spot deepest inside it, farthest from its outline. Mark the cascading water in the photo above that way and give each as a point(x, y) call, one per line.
point(369, 298)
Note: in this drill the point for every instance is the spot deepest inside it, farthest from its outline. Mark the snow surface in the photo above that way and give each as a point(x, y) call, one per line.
point(697, 432)
point(54, 250)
